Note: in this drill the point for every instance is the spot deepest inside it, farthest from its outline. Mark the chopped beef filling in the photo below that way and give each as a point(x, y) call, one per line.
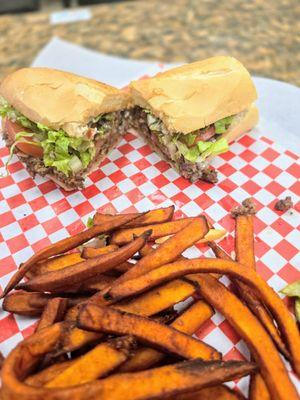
point(110, 130)
point(247, 208)
point(186, 153)
point(284, 204)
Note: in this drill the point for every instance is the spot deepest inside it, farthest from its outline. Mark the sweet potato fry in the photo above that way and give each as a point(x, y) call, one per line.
point(150, 303)
point(244, 240)
point(64, 245)
point(88, 286)
point(124, 236)
point(253, 333)
point(168, 251)
point(146, 250)
point(97, 363)
point(47, 374)
point(164, 381)
point(251, 299)
point(170, 380)
point(254, 305)
point(188, 323)
point(105, 319)
point(244, 248)
point(152, 217)
point(84, 270)
point(220, 392)
point(53, 264)
point(158, 299)
point(258, 389)
point(24, 303)
point(285, 321)
point(54, 311)
point(91, 252)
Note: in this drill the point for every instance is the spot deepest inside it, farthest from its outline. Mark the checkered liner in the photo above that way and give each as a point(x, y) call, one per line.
point(34, 213)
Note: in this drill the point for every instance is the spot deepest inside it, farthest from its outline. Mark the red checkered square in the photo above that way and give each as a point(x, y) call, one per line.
point(16, 201)
point(249, 171)
point(282, 227)
point(8, 327)
point(84, 208)
point(229, 332)
point(274, 188)
point(272, 171)
point(289, 273)
point(286, 249)
point(251, 187)
point(38, 203)
point(17, 243)
point(7, 218)
point(248, 155)
point(295, 188)
point(205, 329)
point(270, 154)
point(28, 222)
point(7, 265)
point(52, 225)
point(227, 170)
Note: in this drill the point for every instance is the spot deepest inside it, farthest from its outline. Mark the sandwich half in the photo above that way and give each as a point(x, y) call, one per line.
point(61, 125)
point(191, 113)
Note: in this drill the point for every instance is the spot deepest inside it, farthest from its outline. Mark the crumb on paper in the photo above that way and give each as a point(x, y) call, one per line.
point(284, 204)
point(210, 175)
point(246, 208)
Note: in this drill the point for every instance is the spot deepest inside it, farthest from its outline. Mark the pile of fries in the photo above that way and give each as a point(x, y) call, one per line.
point(108, 328)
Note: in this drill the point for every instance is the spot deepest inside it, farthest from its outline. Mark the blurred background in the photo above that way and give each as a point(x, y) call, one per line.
point(264, 35)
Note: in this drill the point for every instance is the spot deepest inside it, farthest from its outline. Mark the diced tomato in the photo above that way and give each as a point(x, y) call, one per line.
point(206, 134)
point(11, 129)
point(90, 133)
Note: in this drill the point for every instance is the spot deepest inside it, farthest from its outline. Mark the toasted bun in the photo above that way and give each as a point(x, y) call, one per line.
point(196, 95)
point(242, 124)
point(58, 99)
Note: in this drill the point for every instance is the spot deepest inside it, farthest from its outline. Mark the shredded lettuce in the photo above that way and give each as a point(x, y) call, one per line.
point(215, 148)
point(90, 222)
point(292, 290)
point(189, 153)
point(188, 139)
point(60, 151)
point(202, 150)
point(222, 125)
point(297, 309)
point(67, 154)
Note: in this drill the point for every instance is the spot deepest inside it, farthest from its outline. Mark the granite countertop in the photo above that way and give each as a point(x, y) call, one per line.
point(264, 35)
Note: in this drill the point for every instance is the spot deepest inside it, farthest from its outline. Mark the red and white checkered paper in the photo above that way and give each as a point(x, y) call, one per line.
point(35, 213)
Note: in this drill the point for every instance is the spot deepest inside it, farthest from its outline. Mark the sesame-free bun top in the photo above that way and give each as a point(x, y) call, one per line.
point(195, 95)
point(60, 100)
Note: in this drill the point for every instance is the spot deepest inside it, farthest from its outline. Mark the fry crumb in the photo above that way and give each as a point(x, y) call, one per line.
point(284, 204)
point(247, 208)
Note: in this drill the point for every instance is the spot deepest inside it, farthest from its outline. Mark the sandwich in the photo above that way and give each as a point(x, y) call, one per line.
point(59, 124)
point(191, 113)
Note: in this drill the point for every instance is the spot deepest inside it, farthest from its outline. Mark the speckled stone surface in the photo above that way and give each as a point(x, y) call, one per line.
point(263, 34)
